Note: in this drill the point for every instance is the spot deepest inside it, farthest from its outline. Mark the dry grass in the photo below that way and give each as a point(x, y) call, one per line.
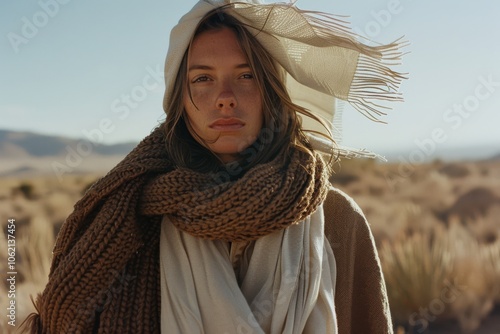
point(415, 271)
point(440, 256)
point(441, 276)
point(437, 226)
point(34, 241)
point(38, 216)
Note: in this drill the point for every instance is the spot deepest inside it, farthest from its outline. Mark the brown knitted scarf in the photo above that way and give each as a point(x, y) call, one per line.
point(105, 271)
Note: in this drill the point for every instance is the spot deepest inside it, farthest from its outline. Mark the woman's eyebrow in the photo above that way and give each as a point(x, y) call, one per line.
point(207, 67)
point(200, 67)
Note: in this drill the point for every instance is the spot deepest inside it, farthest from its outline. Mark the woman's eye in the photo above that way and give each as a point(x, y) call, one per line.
point(202, 78)
point(247, 76)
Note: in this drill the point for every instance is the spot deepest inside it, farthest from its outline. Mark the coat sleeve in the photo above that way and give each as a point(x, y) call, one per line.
point(361, 301)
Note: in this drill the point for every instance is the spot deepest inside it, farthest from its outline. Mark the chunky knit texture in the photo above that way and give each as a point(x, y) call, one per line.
point(267, 198)
point(105, 271)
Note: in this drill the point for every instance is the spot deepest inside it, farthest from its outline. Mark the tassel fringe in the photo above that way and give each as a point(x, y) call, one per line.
point(375, 81)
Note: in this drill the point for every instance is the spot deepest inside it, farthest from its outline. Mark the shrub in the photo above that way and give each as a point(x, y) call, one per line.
point(435, 277)
point(27, 190)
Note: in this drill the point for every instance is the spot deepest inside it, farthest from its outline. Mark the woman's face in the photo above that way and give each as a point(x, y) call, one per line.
point(227, 110)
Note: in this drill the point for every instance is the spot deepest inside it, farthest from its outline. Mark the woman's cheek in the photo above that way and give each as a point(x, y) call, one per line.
point(200, 97)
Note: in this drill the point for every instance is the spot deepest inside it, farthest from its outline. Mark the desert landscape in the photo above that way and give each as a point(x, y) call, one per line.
point(437, 229)
point(436, 225)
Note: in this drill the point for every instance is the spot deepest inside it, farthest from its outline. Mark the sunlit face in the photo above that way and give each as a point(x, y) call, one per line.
point(227, 111)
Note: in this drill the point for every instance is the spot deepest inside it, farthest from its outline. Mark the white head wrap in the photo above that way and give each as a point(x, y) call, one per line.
point(321, 56)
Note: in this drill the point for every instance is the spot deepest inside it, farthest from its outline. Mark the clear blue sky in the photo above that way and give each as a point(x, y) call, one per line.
point(67, 76)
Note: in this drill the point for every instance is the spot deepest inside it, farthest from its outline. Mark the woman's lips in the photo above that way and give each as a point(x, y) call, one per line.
point(227, 124)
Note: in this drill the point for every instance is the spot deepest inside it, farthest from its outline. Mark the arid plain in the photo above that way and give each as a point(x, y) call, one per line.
point(436, 225)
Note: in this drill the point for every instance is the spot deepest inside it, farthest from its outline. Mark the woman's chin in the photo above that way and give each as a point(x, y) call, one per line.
point(230, 152)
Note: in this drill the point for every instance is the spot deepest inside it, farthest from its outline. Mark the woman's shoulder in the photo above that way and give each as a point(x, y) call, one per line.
point(343, 216)
point(341, 204)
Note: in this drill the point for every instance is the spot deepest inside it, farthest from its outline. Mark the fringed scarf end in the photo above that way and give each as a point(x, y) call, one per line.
point(375, 81)
point(33, 322)
point(351, 153)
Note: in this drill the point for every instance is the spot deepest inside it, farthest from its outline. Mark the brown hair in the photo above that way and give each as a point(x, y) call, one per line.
point(282, 128)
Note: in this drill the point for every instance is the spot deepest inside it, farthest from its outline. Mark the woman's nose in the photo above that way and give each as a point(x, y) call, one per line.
point(226, 99)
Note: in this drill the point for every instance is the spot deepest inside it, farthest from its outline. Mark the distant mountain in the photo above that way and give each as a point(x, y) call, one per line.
point(22, 144)
point(471, 153)
point(28, 153)
point(495, 157)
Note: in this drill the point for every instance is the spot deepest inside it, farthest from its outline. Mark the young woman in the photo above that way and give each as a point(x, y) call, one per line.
point(223, 219)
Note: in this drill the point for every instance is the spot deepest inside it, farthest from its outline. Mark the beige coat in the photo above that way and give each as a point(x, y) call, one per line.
point(361, 298)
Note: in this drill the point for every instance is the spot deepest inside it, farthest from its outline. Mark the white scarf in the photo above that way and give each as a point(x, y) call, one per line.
point(281, 283)
point(322, 58)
